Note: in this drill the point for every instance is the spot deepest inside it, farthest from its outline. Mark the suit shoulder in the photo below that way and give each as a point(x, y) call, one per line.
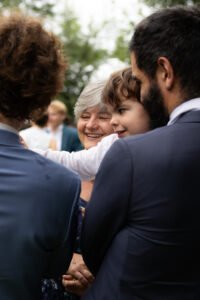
point(70, 130)
point(152, 135)
point(53, 169)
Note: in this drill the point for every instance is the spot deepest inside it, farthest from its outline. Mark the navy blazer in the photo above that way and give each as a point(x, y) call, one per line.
point(141, 235)
point(38, 207)
point(70, 139)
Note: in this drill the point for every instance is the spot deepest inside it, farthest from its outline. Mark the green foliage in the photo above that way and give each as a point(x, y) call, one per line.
point(82, 55)
point(164, 3)
point(9, 3)
point(40, 7)
point(121, 50)
point(83, 58)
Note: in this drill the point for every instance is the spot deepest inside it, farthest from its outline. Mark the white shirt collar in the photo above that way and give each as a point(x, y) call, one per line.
point(193, 104)
point(8, 128)
point(58, 130)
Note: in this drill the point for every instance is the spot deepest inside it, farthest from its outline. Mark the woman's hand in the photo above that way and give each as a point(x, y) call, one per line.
point(78, 277)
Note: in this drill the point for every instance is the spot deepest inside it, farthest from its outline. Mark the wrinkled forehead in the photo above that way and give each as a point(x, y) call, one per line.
point(100, 109)
point(104, 108)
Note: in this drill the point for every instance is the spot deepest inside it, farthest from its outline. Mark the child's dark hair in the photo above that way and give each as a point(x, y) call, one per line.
point(120, 85)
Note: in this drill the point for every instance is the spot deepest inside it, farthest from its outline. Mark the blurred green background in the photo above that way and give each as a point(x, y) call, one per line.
point(84, 51)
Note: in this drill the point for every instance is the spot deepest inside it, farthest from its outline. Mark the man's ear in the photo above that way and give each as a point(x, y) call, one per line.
point(165, 72)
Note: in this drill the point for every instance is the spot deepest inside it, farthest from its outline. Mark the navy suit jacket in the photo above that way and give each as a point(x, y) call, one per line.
point(141, 236)
point(70, 139)
point(38, 207)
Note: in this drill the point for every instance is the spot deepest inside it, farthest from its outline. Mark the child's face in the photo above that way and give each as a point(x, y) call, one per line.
point(129, 118)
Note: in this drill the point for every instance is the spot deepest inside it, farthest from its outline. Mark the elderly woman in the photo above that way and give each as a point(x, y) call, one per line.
point(93, 123)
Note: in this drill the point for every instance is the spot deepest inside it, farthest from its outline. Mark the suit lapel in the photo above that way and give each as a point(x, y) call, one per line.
point(64, 138)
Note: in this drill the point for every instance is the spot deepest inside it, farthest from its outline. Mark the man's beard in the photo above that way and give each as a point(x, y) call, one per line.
point(153, 102)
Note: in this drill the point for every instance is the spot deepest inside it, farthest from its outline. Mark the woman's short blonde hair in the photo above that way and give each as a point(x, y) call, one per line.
point(90, 96)
point(59, 107)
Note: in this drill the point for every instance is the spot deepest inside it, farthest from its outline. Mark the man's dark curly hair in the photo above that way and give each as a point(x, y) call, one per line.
point(32, 66)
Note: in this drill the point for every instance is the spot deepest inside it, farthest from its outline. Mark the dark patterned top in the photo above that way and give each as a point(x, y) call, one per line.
point(53, 290)
point(82, 205)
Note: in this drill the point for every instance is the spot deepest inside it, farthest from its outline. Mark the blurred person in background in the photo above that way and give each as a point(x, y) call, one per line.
point(36, 136)
point(65, 137)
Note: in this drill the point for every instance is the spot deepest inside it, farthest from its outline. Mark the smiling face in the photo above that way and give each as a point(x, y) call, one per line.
point(129, 118)
point(94, 124)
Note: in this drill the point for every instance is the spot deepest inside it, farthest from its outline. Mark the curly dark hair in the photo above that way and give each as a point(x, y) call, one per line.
point(32, 66)
point(120, 85)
